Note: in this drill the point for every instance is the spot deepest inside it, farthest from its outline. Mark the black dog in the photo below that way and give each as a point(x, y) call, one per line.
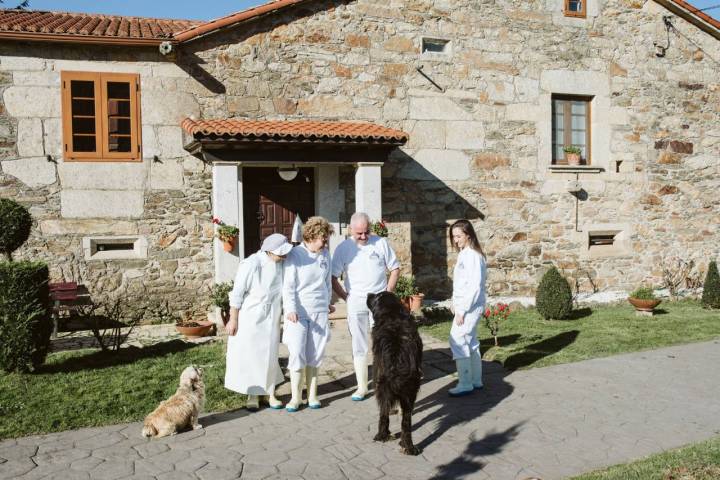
point(397, 359)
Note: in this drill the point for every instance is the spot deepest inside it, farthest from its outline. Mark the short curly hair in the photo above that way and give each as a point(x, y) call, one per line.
point(316, 227)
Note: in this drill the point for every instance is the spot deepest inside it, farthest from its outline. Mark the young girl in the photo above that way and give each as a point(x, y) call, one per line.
point(468, 304)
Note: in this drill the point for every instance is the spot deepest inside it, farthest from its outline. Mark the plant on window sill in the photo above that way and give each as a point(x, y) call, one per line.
point(572, 155)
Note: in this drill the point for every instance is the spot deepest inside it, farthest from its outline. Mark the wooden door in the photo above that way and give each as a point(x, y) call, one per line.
point(271, 203)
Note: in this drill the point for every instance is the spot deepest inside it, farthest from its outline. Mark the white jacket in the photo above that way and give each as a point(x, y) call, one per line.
point(469, 278)
point(306, 283)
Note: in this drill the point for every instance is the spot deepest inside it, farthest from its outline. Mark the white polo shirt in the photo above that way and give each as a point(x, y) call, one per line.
point(306, 282)
point(469, 278)
point(365, 268)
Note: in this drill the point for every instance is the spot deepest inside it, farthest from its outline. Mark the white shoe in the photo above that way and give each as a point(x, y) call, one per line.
point(464, 385)
point(295, 390)
point(252, 403)
point(273, 402)
point(476, 369)
point(311, 374)
point(361, 375)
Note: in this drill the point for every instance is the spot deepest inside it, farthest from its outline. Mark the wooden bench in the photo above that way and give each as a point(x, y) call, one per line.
point(67, 297)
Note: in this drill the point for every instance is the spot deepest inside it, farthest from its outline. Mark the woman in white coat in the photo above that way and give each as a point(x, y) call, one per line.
point(468, 302)
point(252, 354)
point(306, 302)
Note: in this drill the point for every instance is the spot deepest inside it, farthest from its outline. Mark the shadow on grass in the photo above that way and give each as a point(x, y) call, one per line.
point(660, 311)
point(536, 351)
point(579, 313)
point(504, 341)
point(467, 464)
point(124, 356)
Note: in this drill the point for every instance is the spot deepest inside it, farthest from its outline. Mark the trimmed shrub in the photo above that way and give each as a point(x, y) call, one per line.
point(25, 325)
point(15, 224)
point(553, 298)
point(711, 287)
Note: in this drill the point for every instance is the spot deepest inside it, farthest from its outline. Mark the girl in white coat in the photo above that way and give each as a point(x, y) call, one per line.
point(468, 302)
point(252, 354)
point(306, 302)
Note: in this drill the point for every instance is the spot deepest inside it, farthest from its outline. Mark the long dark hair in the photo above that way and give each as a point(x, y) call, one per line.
point(468, 230)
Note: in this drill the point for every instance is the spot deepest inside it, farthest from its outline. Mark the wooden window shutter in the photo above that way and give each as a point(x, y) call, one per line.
point(120, 117)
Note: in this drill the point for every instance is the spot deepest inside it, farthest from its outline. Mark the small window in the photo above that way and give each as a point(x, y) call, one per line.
point(101, 116)
point(575, 8)
point(601, 238)
point(435, 45)
point(606, 243)
point(570, 127)
point(114, 248)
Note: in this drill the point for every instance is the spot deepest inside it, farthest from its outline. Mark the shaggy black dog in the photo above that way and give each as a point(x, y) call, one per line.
point(397, 358)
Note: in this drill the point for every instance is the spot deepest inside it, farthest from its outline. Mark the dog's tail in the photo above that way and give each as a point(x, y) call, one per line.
point(149, 430)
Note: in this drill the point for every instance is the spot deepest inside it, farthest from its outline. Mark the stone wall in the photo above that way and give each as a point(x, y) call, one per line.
point(163, 200)
point(480, 148)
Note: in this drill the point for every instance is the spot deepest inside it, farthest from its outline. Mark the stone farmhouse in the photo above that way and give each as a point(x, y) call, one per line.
point(126, 135)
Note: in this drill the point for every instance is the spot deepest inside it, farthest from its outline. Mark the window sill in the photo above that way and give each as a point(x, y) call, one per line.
point(575, 169)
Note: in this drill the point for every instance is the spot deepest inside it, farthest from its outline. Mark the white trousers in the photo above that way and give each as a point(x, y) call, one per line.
point(359, 324)
point(463, 338)
point(306, 340)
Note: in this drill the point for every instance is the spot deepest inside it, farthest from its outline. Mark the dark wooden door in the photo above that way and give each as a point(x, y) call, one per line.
point(271, 203)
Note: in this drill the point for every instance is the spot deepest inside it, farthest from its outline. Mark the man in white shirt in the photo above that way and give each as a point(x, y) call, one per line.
point(365, 260)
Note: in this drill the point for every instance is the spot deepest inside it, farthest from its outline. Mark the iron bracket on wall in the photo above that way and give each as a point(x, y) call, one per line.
point(420, 71)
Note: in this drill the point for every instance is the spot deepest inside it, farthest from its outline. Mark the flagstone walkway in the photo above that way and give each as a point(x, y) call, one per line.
point(549, 422)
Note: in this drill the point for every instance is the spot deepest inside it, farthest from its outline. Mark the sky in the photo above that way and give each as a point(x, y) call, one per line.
point(193, 9)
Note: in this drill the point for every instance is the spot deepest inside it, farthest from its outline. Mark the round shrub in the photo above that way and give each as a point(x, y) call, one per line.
point(15, 224)
point(711, 287)
point(553, 298)
point(25, 324)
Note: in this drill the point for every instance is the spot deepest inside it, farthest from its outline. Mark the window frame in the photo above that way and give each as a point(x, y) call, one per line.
point(102, 152)
point(571, 13)
point(567, 127)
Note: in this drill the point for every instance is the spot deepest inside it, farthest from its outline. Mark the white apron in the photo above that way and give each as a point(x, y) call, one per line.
point(252, 353)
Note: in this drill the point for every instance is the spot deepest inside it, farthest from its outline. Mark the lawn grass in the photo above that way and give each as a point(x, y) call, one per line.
point(527, 340)
point(89, 388)
point(700, 461)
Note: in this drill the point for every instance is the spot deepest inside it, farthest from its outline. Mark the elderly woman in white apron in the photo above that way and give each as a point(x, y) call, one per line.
point(255, 310)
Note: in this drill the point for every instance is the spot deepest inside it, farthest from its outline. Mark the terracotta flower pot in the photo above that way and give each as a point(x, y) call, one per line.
point(195, 329)
point(644, 305)
point(415, 302)
point(229, 245)
point(573, 159)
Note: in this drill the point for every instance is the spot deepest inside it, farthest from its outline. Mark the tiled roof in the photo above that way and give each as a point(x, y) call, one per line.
point(84, 26)
point(695, 11)
point(301, 131)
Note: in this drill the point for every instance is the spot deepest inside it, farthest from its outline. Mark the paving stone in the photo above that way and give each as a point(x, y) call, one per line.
point(322, 471)
point(292, 467)
point(265, 457)
point(112, 469)
point(62, 456)
point(103, 439)
point(86, 464)
point(256, 471)
point(215, 472)
point(16, 468)
point(177, 475)
point(152, 467)
point(151, 448)
point(18, 452)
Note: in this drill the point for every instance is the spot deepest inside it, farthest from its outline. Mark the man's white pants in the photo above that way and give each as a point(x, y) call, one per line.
point(306, 340)
point(359, 324)
point(463, 338)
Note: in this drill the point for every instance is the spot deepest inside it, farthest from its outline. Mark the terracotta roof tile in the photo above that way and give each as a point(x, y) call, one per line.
point(697, 12)
point(296, 131)
point(85, 25)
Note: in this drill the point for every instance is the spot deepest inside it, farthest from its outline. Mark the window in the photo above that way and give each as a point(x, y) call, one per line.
point(575, 8)
point(114, 248)
point(570, 127)
point(101, 116)
point(435, 45)
point(607, 241)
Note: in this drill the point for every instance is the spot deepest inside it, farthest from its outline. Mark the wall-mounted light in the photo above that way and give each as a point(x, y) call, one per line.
point(287, 173)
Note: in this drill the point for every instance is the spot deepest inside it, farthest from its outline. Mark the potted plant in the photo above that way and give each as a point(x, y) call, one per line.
point(644, 300)
point(572, 154)
point(219, 296)
point(227, 234)
point(379, 228)
point(408, 293)
point(194, 328)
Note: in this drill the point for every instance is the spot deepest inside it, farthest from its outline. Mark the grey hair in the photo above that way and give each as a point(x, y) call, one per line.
point(359, 217)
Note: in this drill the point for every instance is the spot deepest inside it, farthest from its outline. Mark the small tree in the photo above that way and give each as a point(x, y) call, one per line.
point(15, 225)
point(553, 298)
point(220, 297)
point(711, 288)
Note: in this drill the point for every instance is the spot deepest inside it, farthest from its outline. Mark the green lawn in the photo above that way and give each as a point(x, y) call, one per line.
point(88, 388)
point(527, 340)
point(696, 462)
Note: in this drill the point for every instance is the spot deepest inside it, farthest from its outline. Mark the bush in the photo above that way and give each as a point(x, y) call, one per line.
point(25, 325)
point(553, 298)
point(406, 287)
point(643, 293)
point(711, 287)
point(15, 224)
point(220, 297)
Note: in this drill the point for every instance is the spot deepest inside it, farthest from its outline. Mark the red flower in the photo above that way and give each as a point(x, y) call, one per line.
point(487, 312)
point(216, 221)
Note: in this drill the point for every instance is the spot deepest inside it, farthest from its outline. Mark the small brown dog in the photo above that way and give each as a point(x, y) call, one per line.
point(181, 410)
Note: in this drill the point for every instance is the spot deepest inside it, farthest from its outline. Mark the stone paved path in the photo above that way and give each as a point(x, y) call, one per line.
point(551, 422)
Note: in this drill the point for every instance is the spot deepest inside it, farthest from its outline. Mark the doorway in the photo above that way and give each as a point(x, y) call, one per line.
point(271, 203)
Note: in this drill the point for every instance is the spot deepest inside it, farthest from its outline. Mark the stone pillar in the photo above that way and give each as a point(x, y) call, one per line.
point(368, 190)
point(227, 199)
point(330, 200)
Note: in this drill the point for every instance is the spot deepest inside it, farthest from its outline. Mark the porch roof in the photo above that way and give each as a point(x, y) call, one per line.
point(293, 132)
